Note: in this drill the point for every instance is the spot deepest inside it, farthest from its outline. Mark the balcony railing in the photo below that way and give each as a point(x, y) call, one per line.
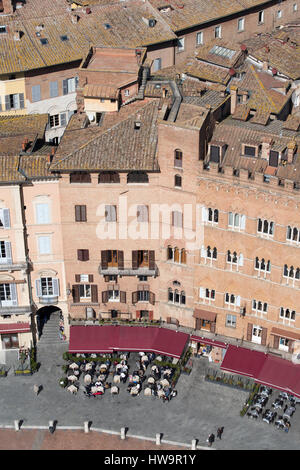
point(10, 266)
point(48, 299)
point(16, 310)
point(128, 271)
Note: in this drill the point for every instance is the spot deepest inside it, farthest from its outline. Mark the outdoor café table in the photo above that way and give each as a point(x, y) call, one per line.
point(289, 412)
point(144, 358)
point(135, 379)
point(74, 366)
point(87, 379)
point(164, 383)
point(101, 377)
point(151, 380)
point(160, 393)
point(72, 378)
point(88, 366)
point(72, 389)
point(134, 390)
point(253, 413)
point(114, 390)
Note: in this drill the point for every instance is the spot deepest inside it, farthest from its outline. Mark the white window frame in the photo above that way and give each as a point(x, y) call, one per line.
point(257, 310)
point(286, 314)
point(295, 7)
point(110, 213)
point(218, 32)
point(4, 218)
point(270, 228)
point(47, 286)
point(86, 291)
point(230, 320)
point(5, 252)
point(180, 44)
point(283, 344)
point(9, 293)
point(236, 221)
point(199, 35)
point(236, 303)
point(279, 14)
point(261, 17)
point(260, 269)
point(243, 24)
point(291, 238)
point(256, 334)
point(114, 295)
point(175, 292)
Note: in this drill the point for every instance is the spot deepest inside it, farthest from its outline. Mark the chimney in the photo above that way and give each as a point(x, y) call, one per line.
point(291, 151)
point(266, 146)
point(24, 145)
point(17, 35)
point(7, 6)
point(233, 98)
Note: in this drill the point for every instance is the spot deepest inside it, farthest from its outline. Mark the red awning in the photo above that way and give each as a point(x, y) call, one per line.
point(204, 315)
point(211, 342)
point(7, 328)
point(243, 361)
point(107, 339)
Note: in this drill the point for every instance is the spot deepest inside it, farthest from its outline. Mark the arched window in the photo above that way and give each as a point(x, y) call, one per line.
point(178, 158)
point(176, 255)
point(183, 256)
point(182, 298)
point(108, 177)
point(177, 181)
point(170, 295)
point(137, 177)
point(170, 252)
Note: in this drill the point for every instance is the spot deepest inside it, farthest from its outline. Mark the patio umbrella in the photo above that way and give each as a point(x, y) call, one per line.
point(74, 366)
point(72, 378)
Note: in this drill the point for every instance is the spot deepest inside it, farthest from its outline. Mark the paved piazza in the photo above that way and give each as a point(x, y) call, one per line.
point(199, 409)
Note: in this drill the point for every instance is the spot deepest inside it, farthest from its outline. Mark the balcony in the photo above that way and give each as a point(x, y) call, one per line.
point(14, 310)
point(128, 271)
point(8, 265)
point(48, 299)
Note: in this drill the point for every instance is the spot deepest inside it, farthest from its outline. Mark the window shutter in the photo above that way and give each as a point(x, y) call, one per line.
point(65, 87)
point(7, 103)
point(63, 119)
point(86, 255)
point(35, 93)
point(77, 214)
point(104, 259)
point(53, 89)
point(42, 213)
point(249, 331)
point(150, 315)
point(94, 292)
point(203, 252)
point(104, 296)
point(83, 213)
point(241, 259)
point(134, 259)
point(238, 300)
point(134, 297)
point(13, 292)
point(77, 277)
point(6, 218)
point(276, 342)
point(123, 297)
point(38, 288)
point(8, 252)
point(80, 255)
point(120, 259)
point(55, 284)
point(204, 214)
point(243, 222)
point(264, 332)
point(151, 259)
point(91, 278)
point(75, 293)
point(152, 298)
point(213, 327)
point(138, 314)
point(202, 293)
point(21, 98)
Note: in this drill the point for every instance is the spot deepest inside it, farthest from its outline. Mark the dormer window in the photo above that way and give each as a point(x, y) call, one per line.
point(273, 158)
point(250, 150)
point(214, 153)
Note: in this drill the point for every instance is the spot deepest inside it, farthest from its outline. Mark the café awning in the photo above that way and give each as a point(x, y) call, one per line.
point(243, 361)
point(211, 342)
point(204, 315)
point(285, 334)
point(8, 328)
point(108, 338)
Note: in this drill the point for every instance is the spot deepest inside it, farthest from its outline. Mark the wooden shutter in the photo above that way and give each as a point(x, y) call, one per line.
point(75, 293)
point(264, 336)
point(77, 213)
point(291, 346)
point(104, 296)
point(85, 255)
point(213, 326)
point(138, 314)
point(134, 259)
point(77, 277)
point(151, 259)
point(80, 255)
point(150, 314)
point(65, 87)
point(123, 297)
point(120, 259)
point(249, 331)
point(63, 119)
point(134, 297)
point(91, 278)
point(152, 298)
point(104, 259)
point(94, 292)
point(276, 342)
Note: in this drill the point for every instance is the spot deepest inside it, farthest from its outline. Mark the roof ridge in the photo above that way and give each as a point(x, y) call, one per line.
point(262, 86)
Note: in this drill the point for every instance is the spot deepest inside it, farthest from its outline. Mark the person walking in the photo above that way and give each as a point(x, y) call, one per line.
point(220, 432)
point(211, 439)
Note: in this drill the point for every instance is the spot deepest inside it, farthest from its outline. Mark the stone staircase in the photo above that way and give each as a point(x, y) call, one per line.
point(141, 91)
point(50, 332)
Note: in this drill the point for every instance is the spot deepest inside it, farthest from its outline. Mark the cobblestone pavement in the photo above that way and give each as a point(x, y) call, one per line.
point(199, 409)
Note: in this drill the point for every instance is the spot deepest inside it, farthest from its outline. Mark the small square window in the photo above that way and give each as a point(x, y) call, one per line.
point(241, 24)
point(199, 38)
point(218, 32)
point(3, 29)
